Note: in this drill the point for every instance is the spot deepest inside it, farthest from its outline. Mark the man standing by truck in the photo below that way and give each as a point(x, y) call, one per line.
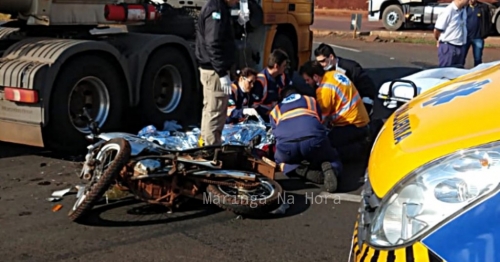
point(478, 28)
point(215, 52)
point(450, 31)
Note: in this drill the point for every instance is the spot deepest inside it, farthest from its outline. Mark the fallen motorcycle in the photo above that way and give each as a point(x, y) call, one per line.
point(232, 177)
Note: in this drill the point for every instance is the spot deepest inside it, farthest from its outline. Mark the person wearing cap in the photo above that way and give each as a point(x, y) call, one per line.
point(450, 31)
point(325, 55)
point(241, 95)
point(296, 126)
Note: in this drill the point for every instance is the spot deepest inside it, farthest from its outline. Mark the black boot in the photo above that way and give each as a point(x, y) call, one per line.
point(330, 182)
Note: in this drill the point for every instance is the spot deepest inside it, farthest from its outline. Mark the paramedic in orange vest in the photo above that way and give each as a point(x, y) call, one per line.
point(241, 95)
point(300, 135)
point(270, 82)
point(342, 107)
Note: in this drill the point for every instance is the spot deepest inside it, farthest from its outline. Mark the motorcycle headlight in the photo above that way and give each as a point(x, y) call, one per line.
point(434, 193)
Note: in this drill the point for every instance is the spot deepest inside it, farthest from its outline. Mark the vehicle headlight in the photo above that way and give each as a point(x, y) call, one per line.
point(435, 192)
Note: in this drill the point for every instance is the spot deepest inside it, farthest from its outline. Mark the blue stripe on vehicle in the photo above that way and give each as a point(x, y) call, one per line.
point(470, 237)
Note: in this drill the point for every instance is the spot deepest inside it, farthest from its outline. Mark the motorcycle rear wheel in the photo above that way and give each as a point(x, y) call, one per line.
point(103, 178)
point(246, 202)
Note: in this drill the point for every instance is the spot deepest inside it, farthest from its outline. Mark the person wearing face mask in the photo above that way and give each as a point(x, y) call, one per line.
point(325, 55)
point(342, 109)
point(241, 95)
point(270, 82)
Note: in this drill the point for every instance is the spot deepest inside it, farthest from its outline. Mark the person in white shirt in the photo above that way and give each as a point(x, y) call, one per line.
point(450, 31)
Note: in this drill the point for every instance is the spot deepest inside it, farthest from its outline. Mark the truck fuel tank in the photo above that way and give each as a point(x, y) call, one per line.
point(431, 12)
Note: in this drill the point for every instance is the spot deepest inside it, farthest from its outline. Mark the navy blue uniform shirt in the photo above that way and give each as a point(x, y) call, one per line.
point(473, 22)
point(237, 101)
point(296, 117)
point(269, 89)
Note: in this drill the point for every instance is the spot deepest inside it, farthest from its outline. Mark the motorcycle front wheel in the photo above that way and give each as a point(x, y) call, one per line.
point(111, 158)
point(256, 201)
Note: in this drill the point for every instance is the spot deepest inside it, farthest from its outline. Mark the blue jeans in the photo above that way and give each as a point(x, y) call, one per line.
point(477, 50)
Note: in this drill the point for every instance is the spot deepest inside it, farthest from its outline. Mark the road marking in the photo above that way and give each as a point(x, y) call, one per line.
point(341, 196)
point(342, 47)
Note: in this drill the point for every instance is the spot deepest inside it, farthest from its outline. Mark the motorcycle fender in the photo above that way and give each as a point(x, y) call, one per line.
point(236, 174)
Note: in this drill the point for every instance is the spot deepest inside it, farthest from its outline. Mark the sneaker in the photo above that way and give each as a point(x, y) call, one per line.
point(330, 177)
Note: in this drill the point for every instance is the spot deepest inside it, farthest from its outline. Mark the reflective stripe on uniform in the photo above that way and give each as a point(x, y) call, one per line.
point(345, 104)
point(311, 110)
point(261, 77)
point(234, 88)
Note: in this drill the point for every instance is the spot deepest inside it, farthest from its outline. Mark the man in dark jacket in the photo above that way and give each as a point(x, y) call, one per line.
point(478, 28)
point(330, 61)
point(215, 52)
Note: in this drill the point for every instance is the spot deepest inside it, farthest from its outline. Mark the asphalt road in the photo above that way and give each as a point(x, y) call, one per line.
point(312, 230)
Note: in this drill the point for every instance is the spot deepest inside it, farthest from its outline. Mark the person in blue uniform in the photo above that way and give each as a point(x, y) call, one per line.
point(241, 95)
point(270, 82)
point(296, 126)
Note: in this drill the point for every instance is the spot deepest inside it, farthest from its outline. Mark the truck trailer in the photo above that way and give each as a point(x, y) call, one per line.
point(128, 61)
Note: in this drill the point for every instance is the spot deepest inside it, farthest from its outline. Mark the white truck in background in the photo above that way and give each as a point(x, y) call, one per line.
point(399, 14)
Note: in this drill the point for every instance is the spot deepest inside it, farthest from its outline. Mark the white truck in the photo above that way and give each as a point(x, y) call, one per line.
point(130, 63)
point(398, 14)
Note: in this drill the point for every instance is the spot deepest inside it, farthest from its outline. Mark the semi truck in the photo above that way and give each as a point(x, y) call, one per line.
point(399, 14)
point(126, 62)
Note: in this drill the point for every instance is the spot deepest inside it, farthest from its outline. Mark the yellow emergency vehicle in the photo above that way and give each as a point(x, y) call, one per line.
point(432, 184)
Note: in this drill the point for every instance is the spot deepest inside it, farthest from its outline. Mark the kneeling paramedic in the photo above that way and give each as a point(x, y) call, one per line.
point(270, 82)
point(342, 109)
point(296, 126)
point(241, 95)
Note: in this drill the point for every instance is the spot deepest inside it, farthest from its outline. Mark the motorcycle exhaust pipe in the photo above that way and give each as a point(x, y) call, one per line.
point(226, 174)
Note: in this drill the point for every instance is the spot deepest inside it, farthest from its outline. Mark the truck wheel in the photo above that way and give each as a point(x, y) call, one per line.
point(393, 18)
point(283, 42)
point(168, 90)
point(497, 24)
point(90, 82)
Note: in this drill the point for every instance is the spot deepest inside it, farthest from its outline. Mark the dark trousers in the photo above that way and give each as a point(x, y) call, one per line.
point(450, 55)
point(477, 50)
point(315, 150)
point(350, 141)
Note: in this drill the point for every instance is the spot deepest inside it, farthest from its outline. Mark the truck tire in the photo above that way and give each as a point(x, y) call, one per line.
point(497, 24)
point(283, 42)
point(80, 83)
point(168, 89)
point(393, 18)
